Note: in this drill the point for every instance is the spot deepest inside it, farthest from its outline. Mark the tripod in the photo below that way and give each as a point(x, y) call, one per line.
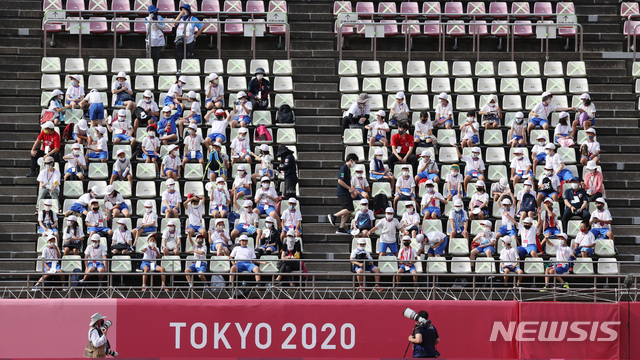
point(413, 333)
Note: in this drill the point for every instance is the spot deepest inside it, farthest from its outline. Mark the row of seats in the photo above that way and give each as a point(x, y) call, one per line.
point(205, 7)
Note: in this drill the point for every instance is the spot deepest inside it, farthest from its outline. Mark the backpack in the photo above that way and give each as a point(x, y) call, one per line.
point(285, 115)
point(363, 221)
point(47, 115)
point(528, 202)
point(546, 184)
point(67, 133)
point(380, 203)
point(262, 134)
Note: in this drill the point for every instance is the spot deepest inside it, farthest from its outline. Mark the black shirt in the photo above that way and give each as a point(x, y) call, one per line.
point(344, 175)
point(427, 349)
point(576, 197)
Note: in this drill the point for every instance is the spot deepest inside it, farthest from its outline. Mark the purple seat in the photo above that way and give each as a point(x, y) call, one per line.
point(410, 7)
point(192, 3)
point(340, 7)
point(210, 28)
point(431, 28)
point(520, 9)
point(522, 28)
point(210, 7)
point(231, 7)
point(414, 30)
point(141, 6)
point(255, 7)
point(139, 27)
point(478, 27)
point(121, 6)
point(346, 30)
point(455, 28)
point(387, 9)
point(51, 5)
point(166, 6)
point(98, 5)
point(364, 9)
point(278, 6)
point(628, 28)
point(123, 26)
point(626, 9)
point(429, 8)
point(390, 27)
point(499, 28)
point(543, 7)
point(454, 7)
point(233, 27)
point(98, 25)
point(74, 6)
point(498, 10)
point(476, 8)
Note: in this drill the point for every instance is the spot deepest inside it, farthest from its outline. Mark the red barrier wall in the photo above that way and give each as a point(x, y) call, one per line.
point(171, 329)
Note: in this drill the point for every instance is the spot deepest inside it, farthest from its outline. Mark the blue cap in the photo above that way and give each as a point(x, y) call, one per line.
point(186, 6)
point(152, 8)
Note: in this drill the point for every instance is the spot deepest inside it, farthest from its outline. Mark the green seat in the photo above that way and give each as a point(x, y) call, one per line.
point(70, 262)
point(496, 172)
point(388, 264)
point(485, 69)
point(271, 264)
point(145, 171)
point(348, 68)
point(123, 187)
point(73, 189)
point(97, 66)
point(125, 147)
point(190, 67)
point(418, 85)
point(485, 266)
point(288, 136)
point(193, 171)
point(262, 117)
point(219, 264)
point(236, 67)
point(144, 66)
point(50, 65)
point(439, 68)
point(171, 263)
point(533, 266)
point(121, 263)
point(458, 247)
point(583, 266)
point(436, 265)
point(493, 137)
point(556, 86)
point(282, 99)
point(605, 247)
point(353, 137)
point(372, 85)
point(431, 225)
point(530, 69)
point(165, 82)
point(578, 69)
point(463, 86)
point(282, 67)
point(98, 171)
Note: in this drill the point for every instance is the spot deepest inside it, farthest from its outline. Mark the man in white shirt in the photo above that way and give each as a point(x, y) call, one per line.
point(563, 256)
point(509, 260)
point(388, 227)
point(243, 259)
point(600, 221)
point(199, 263)
point(93, 254)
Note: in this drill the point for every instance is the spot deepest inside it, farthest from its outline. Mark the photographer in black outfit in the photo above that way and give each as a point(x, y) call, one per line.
point(424, 338)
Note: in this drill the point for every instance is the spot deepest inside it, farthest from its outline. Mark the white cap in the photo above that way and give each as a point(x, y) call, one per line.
point(601, 200)
point(475, 149)
point(359, 168)
point(506, 201)
point(213, 76)
point(547, 200)
point(101, 129)
point(364, 201)
point(405, 166)
point(94, 201)
point(48, 125)
point(389, 210)
point(48, 202)
point(95, 189)
point(419, 238)
point(517, 151)
point(400, 95)
point(244, 237)
point(166, 109)
point(264, 147)
point(243, 130)
point(585, 96)
point(519, 115)
point(492, 97)
point(591, 165)
point(381, 113)
point(247, 203)
point(291, 232)
point(110, 189)
point(486, 223)
point(95, 237)
point(241, 94)
point(563, 114)
point(75, 76)
point(72, 218)
point(591, 130)
point(528, 182)
point(191, 94)
point(548, 166)
point(443, 95)
point(51, 237)
point(362, 241)
point(122, 221)
point(550, 146)
point(506, 239)
point(183, 79)
point(269, 219)
point(217, 143)
point(193, 126)
point(172, 222)
point(172, 147)
point(171, 181)
point(562, 235)
point(264, 178)
point(457, 202)
point(241, 167)
point(480, 183)
point(147, 93)
point(379, 151)
point(219, 179)
point(76, 146)
point(541, 136)
point(148, 203)
point(425, 153)
point(504, 181)
point(292, 200)
point(528, 220)
point(428, 182)
point(82, 124)
point(546, 93)
point(406, 238)
point(121, 74)
point(57, 92)
point(120, 151)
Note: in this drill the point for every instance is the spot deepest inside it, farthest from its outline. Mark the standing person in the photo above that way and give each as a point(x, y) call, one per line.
point(289, 166)
point(98, 346)
point(358, 113)
point(123, 92)
point(345, 193)
point(155, 35)
point(433, 243)
point(402, 146)
point(48, 181)
point(47, 144)
point(187, 32)
point(563, 255)
point(586, 115)
point(258, 90)
point(425, 338)
point(50, 261)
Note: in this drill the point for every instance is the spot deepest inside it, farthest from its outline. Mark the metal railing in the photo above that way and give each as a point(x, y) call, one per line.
point(206, 23)
point(635, 35)
point(629, 17)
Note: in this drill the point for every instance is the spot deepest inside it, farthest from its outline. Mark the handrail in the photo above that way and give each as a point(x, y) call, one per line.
point(442, 34)
point(207, 23)
point(634, 41)
point(629, 17)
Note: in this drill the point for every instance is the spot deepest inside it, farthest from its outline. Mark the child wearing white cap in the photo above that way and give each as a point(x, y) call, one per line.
point(548, 185)
point(47, 220)
point(50, 261)
point(81, 133)
point(378, 130)
point(151, 146)
point(171, 199)
point(389, 227)
point(444, 111)
point(427, 168)
point(540, 115)
point(474, 167)
point(167, 129)
point(360, 183)
point(509, 260)
point(265, 169)
point(407, 257)
point(76, 164)
point(528, 237)
point(411, 220)
point(458, 220)
point(72, 236)
point(56, 104)
point(174, 95)
point(214, 92)
point(590, 148)
point(146, 224)
point(123, 93)
point(377, 169)
point(171, 164)
point(121, 129)
point(219, 199)
point(218, 120)
point(265, 199)
point(586, 114)
point(527, 200)
point(241, 148)
point(241, 111)
point(93, 254)
point(241, 184)
point(520, 167)
point(555, 159)
point(601, 220)
point(122, 241)
point(219, 238)
point(479, 203)
point(115, 201)
point(248, 221)
point(75, 93)
point(96, 220)
point(194, 207)
point(121, 168)
point(430, 203)
point(470, 131)
point(195, 115)
point(484, 242)
point(518, 131)
point(291, 219)
point(405, 186)
point(99, 150)
point(562, 132)
point(399, 110)
point(538, 155)
point(548, 223)
point(150, 108)
point(491, 113)
point(361, 261)
point(563, 256)
point(593, 181)
point(362, 220)
point(172, 238)
point(193, 145)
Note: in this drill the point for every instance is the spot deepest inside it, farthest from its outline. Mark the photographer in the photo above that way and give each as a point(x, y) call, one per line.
point(424, 338)
point(98, 346)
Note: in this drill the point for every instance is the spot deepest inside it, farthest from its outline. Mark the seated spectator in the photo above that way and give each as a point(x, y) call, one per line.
point(248, 222)
point(527, 204)
point(407, 258)
point(518, 131)
point(593, 181)
point(479, 204)
point(484, 242)
point(81, 133)
point(399, 111)
point(47, 220)
point(491, 113)
point(541, 113)
point(123, 92)
point(405, 187)
point(99, 150)
point(548, 219)
point(377, 171)
point(358, 113)
point(240, 148)
point(151, 146)
point(167, 130)
point(458, 221)
point(290, 256)
point(563, 255)
point(402, 146)
point(269, 242)
point(427, 168)
point(548, 185)
point(555, 159)
point(96, 220)
point(122, 241)
point(219, 124)
point(362, 220)
point(360, 183)
point(585, 242)
point(474, 165)
point(378, 130)
point(195, 114)
point(266, 168)
point(171, 238)
point(266, 199)
point(291, 218)
point(243, 259)
point(174, 95)
point(388, 230)
point(590, 149)
point(500, 187)
point(50, 262)
point(220, 200)
point(121, 168)
point(601, 220)
point(241, 111)
point(509, 260)
point(345, 194)
point(528, 238)
point(562, 133)
point(199, 263)
point(121, 129)
point(520, 167)
point(288, 166)
point(171, 199)
point(576, 202)
point(193, 146)
point(194, 207)
point(453, 183)
point(430, 203)
point(469, 131)
point(92, 255)
point(47, 144)
point(75, 93)
point(362, 261)
point(241, 185)
point(48, 181)
point(56, 104)
point(214, 93)
point(586, 114)
point(219, 238)
point(258, 90)
point(423, 132)
point(114, 201)
point(508, 214)
point(218, 164)
point(76, 164)
point(148, 222)
point(410, 221)
point(80, 206)
point(434, 243)
point(72, 236)
point(146, 112)
point(171, 165)
point(151, 254)
point(444, 111)
point(538, 152)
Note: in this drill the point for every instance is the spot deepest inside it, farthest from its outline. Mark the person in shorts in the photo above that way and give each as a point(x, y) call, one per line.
point(96, 220)
point(379, 130)
point(389, 227)
point(93, 254)
point(469, 131)
point(99, 150)
point(434, 244)
point(248, 222)
point(121, 129)
point(484, 242)
point(219, 237)
point(147, 224)
point(345, 193)
point(444, 111)
point(427, 168)
point(199, 263)
point(509, 260)
point(72, 237)
point(149, 258)
point(194, 207)
point(193, 146)
point(241, 111)
point(528, 238)
point(430, 203)
point(76, 164)
point(491, 113)
point(362, 261)
point(243, 259)
point(563, 256)
point(220, 199)
point(407, 257)
point(96, 108)
point(171, 238)
point(458, 220)
point(171, 165)
point(171, 199)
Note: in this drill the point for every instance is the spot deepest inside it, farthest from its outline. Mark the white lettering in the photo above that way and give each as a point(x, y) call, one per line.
point(203, 343)
point(576, 329)
point(286, 344)
point(522, 330)
point(551, 336)
point(343, 338)
point(177, 326)
point(332, 333)
point(498, 327)
point(243, 334)
point(308, 344)
point(219, 335)
point(605, 328)
point(594, 331)
point(258, 343)
point(554, 331)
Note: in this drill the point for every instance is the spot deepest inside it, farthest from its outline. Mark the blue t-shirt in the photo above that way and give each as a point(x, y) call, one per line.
point(344, 175)
point(428, 346)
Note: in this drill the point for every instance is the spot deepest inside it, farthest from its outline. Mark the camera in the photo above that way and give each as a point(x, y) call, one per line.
point(107, 324)
point(410, 314)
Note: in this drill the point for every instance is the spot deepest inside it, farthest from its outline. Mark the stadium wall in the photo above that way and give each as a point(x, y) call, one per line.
point(172, 329)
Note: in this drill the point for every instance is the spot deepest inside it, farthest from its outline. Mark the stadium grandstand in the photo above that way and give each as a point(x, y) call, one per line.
point(292, 150)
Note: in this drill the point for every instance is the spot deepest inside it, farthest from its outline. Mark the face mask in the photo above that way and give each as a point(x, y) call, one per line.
point(247, 209)
point(291, 242)
point(191, 132)
point(60, 97)
point(268, 225)
point(470, 119)
point(574, 186)
point(549, 172)
point(380, 120)
point(401, 132)
point(542, 143)
point(241, 172)
point(265, 185)
point(480, 190)
point(96, 245)
point(75, 82)
point(171, 187)
point(458, 208)
point(148, 101)
point(487, 229)
point(527, 227)
point(361, 247)
point(423, 120)
point(95, 208)
point(48, 166)
point(166, 116)
point(600, 207)
point(47, 207)
point(259, 76)
point(220, 227)
point(527, 188)
point(122, 159)
point(200, 242)
point(121, 227)
point(443, 102)
point(475, 155)
point(591, 137)
point(352, 164)
point(76, 152)
point(152, 133)
point(214, 82)
point(584, 231)
point(359, 175)
point(519, 157)
point(172, 229)
point(406, 244)
point(454, 173)
point(389, 217)
point(292, 207)
point(148, 210)
point(50, 244)
point(152, 245)
point(221, 186)
point(379, 157)
point(364, 208)
point(430, 189)
point(405, 173)
point(548, 152)
point(519, 120)
point(410, 210)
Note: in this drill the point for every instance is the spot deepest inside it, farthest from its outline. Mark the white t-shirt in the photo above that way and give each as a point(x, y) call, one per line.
point(118, 199)
point(116, 84)
point(602, 215)
point(357, 111)
point(75, 161)
point(218, 126)
point(121, 237)
point(84, 199)
point(50, 178)
point(388, 230)
point(563, 254)
point(240, 109)
point(241, 146)
point(509, 256)
point(195, 108)
point(454, 181)
point(195, 214)
point(97, 218)
point(152, 106)
point(584, 239)
point(473, 164)
point(171, 162)
point(562, 130)
point(150, 218)
point(175, 90)
point(217, 238)
point(431, 167)
point(95, 253)
point(377, 128)
point(46, 219)
point(121, 166)
point(357, 251)
point(590, 110)
point(478, 199)
point(172, 239)
point(249, 217)
point(407, 183)
point(262, 200)
point(544, 111)
point(242, 181)
point(407, 254)
point(214, 91)
point(555, 182)
point(359, 183)
point(555, 160)
point(49, 254)
point(433, 237)
point(444, 111)
point(102, 144)
point(243, 253)
point(291, 218)
point(432, 199)
point(120, 127)
point(527, 237)
point(409, 220)
point(199, 257)
point(470, 130)
point(220, 197)
point(150, 254)
point(151, 144)
point(172, 198)
point(94, 97)
point(505, 220)
point(193, 143)
point(537, 149)
point(75, 92)
point(593, 146)
point(423, 128)
point(520, 165)
point(400, 108)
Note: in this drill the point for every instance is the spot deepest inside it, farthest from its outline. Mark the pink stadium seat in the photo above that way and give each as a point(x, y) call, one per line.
point(278, 6)
point(410, 7)
point(210, 29)
point(431, 7)
point(98, 5)
point(98, 25)
point(122, 27)
point(139, 27)
point(478, 27)
point(569, 8)
point(390, 27)
point(521, 9)
point(166, 6)
point(498, 10)
point(543, 7)
point(341, 7)
point(456, 28)
point(414, 30)
point(364, 9)
point(192, 3)
point(51, 5)
point(233, 27)
point(255, 7)
point(522, 28)
point(628, 28)
point(52, 28)
point(360, 28)
point(454, 7)
point(476, 8)
point(626, 9)
point(277, 29)
point(431, 28)
point(232, 6)
point(210, 7)
point(74, 6)
point(121, 6)
point(387, 9)
point(141, 6)
point(499, 28)
point(346, 30)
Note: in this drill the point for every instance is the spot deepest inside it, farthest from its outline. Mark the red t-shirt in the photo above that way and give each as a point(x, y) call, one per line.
point(51, 140)
point(405, 142)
